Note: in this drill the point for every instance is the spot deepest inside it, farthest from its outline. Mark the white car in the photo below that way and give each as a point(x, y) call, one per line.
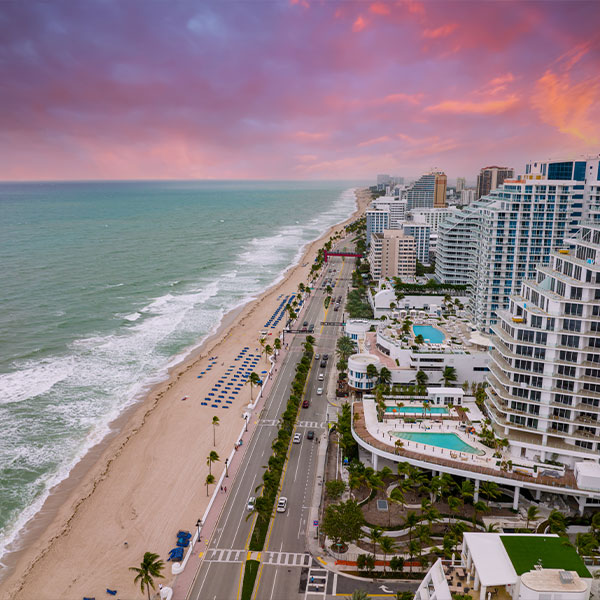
point(297, 438)
point(251, 503)
point(282, 504)
point(319, 391)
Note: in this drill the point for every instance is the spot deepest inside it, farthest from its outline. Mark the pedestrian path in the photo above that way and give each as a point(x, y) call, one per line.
point(316, 584)
point(278, 559)
point(287, 559)
point(225, 555)
point(312, 424)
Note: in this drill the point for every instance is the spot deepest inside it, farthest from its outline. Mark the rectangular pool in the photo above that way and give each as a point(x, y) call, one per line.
point(429, 333)
point(416, 410)
point(449, 441)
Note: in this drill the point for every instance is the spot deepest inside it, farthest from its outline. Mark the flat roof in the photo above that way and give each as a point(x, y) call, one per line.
point(490, 558)
point(551, 551)
point(587, 467)
point(456, 391)
point(549, 580)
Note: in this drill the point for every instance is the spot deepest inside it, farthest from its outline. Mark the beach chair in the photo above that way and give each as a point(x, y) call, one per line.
point(86, 598)
point(203, 403)
point(184, 534)
point(111, 592)
point(183, 543)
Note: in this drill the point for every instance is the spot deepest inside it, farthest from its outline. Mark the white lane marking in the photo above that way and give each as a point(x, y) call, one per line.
point(274, 581)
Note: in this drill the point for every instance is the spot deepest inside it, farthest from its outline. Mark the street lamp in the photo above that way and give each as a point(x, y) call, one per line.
point(199, 525)
point(246, 419)
point(226, 470)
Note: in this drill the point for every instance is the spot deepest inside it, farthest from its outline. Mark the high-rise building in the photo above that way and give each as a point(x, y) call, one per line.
point(376, 221)
point(383, 179)
point(421, 233)
point(490, 178)
point(392, 254)
point(544, 381)
point(467, 197)
point(421, 194)
point(461, 184)
point(455, 247)
point(519, 224)
point(439, 200)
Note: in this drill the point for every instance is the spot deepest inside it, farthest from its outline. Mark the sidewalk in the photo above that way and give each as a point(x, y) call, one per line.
point(185, 579)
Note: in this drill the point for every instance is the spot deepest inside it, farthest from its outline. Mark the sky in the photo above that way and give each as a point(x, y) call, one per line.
point(293, 89)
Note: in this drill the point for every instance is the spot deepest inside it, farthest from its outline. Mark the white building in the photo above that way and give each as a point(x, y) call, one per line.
point(377, 221)
point(421, 232)
point(461, 183)
point(432, 216)
point(544, 392)
point(468, 197)
point(357, 371)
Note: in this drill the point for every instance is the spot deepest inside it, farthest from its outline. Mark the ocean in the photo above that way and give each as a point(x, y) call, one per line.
point(106, 285)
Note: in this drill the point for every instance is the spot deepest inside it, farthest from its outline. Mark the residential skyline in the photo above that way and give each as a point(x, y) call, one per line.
point(294, 90)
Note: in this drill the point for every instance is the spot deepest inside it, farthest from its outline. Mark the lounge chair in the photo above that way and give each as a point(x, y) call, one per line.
point(184, 534)
point(183, 543)
point(111, 592)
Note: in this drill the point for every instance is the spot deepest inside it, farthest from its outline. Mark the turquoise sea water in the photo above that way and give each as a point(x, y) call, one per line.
point(429, 333)
point(450, 441)
point(107, 285)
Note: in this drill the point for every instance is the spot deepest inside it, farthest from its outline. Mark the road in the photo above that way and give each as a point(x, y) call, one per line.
point(284, 558)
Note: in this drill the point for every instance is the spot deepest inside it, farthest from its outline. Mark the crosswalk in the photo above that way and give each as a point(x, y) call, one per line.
point(316, 583)
point(312, 424)
point(269, 422)
point(278, 559)
point(287, 559)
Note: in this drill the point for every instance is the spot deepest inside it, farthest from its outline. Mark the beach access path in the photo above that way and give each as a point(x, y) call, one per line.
point(149, 481)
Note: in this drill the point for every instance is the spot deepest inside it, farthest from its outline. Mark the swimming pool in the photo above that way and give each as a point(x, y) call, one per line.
point(417, 410)
point(429, 333)
point(450, 441)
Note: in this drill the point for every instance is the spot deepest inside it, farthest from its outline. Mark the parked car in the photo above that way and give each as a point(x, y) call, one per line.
point(297, 438)
point(282, 504)
point(251, 503)
point(310, 435)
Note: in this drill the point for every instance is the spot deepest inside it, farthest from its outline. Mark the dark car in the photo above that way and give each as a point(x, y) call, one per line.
point(306, 403)
point(310, 435)
point(325, 356)
point(336, 308)
point(305, 324)
point(311, 328)
point(323, 364)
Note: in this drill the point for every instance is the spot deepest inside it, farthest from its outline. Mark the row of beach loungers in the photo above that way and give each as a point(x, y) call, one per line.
point(279, 313)
point(224, 392)
point(183, 541)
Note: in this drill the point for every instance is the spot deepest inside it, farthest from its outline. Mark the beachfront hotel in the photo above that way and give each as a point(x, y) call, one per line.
point(497, 242)
point(509, 567)
point(544, 380)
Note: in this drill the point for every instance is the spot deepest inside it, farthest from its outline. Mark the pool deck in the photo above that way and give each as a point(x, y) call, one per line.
point(378, 436)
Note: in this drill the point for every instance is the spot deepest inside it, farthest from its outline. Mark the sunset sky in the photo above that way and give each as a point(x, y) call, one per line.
point(293, 89)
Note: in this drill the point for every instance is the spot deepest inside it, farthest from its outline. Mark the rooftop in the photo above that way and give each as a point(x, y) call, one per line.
point(527, 551)
point(553, 580)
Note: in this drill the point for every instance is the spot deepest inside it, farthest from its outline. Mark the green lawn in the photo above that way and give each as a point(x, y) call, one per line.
point(524, 552)
point(249, 577)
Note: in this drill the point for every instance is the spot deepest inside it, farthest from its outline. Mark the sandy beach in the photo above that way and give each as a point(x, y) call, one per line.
point(134, 491)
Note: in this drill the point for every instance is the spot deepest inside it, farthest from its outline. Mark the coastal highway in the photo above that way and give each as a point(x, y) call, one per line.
point(284, 556)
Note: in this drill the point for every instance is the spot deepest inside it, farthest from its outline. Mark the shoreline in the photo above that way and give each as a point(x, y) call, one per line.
point(62, 516)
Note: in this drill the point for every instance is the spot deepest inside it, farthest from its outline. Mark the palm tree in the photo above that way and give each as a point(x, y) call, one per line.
point(490, 490)
point(419, 339)
point(310, 340)
point(414, 547)
point(454, 504)
point(449, 375)
point(215, 424)
point(267, 351)
point(277, 345)
point(345, 347)
point(385, 376)
point(532, 514)
point(329, 289)
point(398, 445)
point(479, 507)
point(556, 522)
point(467, 490)
point(387, 546)
point(375, 536)
point(149, 568)
point(421, 378)
point(262, 341)
point(410, 522)
point(397, 497)
point(211, 458)
point(210, 479)
point(253, 379)
point(342, 365)
point(371, 371)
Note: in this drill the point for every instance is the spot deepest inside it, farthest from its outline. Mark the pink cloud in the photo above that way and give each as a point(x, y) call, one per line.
point(373, 141)
point(465, 107)
point(440, 32)
point(379, 8)
point(359, 24)
point(394, 98)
